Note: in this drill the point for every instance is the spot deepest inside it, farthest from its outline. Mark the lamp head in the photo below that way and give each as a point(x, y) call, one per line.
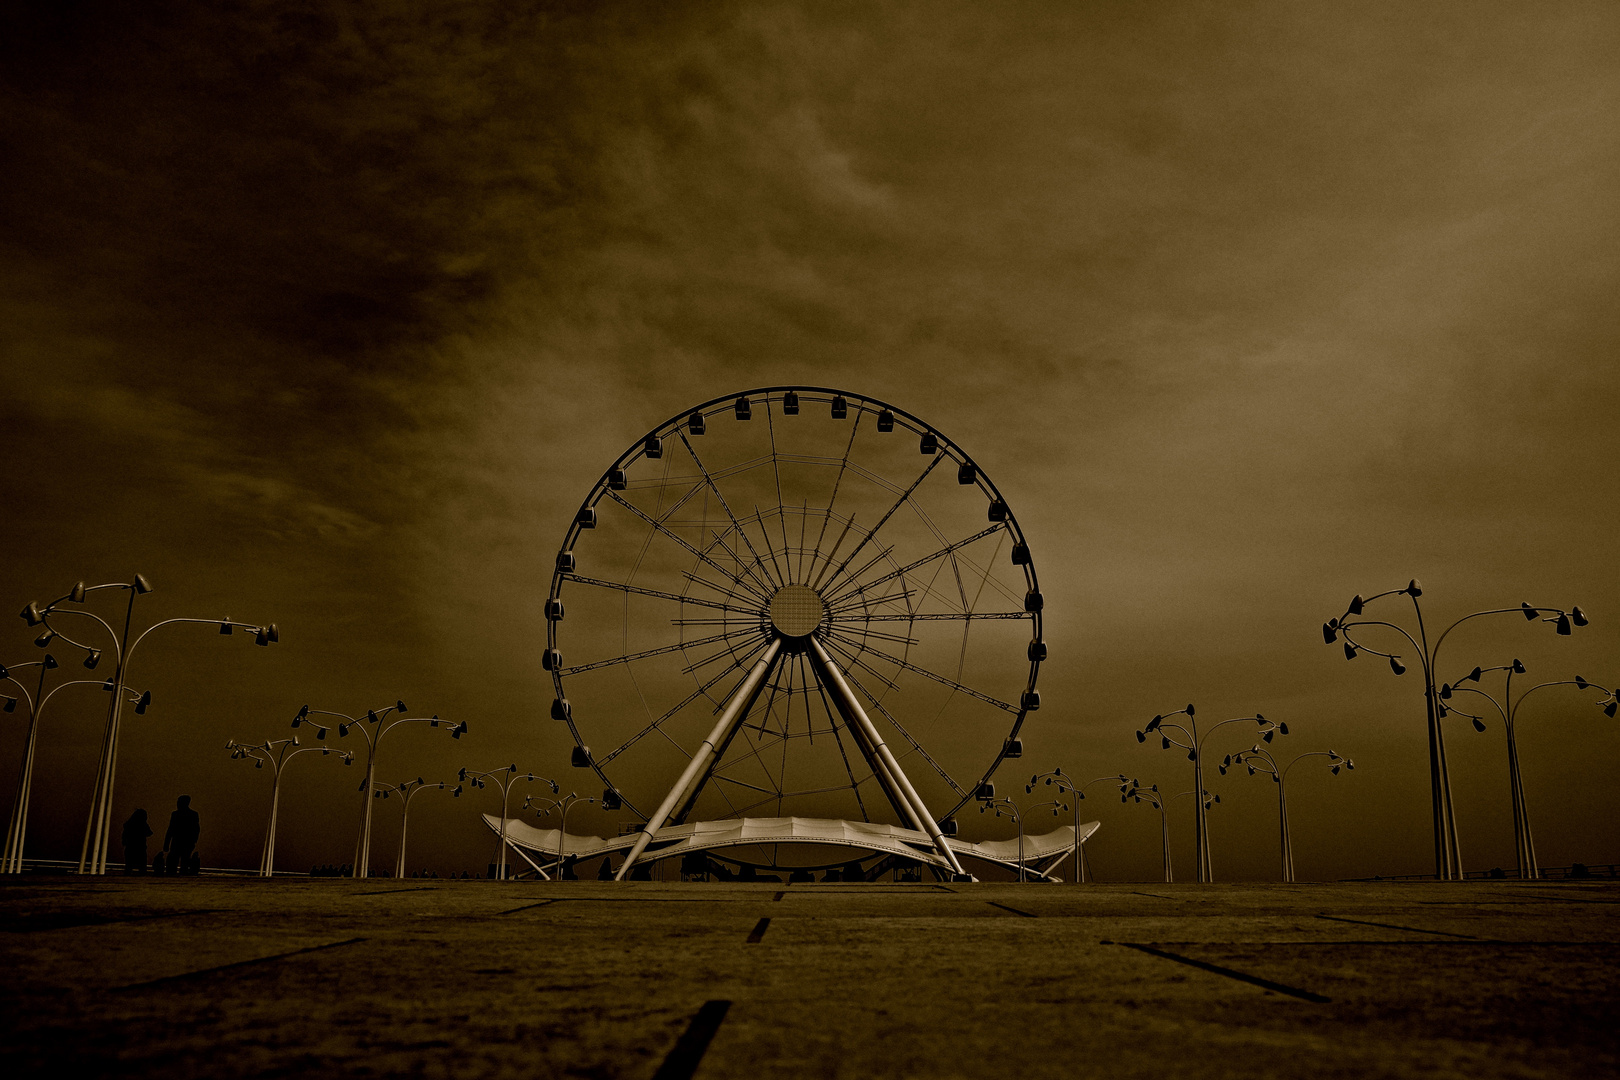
point(1282, 729)
point(1414, 589)
point(1609, 709)
point(45, 639)
point(225, 627)
point(1396, 666)
point(142, 586)
point(49, 662)
point(1479, 725)
point(76, 594)
point(1517, 666)
point(1577, 616)
point(32, 613)
point(1580, 683)
point(1530, 613)
point(1349, 651)
point(1330, 633)
point(1562, 626)
point(143, 703)
point(92, 659)
point(1188, 710)
point(371, 714)
point(1356, 603)
point(11, 704)
point(399, 705)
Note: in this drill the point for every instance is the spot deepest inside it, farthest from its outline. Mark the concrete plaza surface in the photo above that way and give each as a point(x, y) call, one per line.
point(242, 977)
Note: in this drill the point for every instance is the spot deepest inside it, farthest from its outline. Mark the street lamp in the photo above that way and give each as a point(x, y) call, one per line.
point(565, 803)
point(1151, 796)
point(17, 832)
point(93, 855)
point(380, 726)
point(1066, 785)
point(1258, 758)
point(1194, 745)
point(1447, 854)
point(276, 753)
point(1508, 709)
point(504, 779)
point(406, 790)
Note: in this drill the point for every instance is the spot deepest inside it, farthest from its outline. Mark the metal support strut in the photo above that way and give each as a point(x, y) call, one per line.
point(735, 711)
point(917, 809)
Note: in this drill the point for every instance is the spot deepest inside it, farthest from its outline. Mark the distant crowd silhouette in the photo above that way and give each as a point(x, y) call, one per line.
point(179, 854)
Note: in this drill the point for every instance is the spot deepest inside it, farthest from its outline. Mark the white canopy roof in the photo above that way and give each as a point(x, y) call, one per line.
point(735, 832)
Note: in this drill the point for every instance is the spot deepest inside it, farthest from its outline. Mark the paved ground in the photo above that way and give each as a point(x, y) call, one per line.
point(213, 977)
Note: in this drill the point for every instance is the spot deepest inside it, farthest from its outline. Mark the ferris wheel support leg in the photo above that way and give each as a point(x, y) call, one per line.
point(919, 809)
point(702, 761)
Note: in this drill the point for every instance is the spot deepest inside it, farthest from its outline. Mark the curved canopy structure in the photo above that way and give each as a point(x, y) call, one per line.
point(1041, 853)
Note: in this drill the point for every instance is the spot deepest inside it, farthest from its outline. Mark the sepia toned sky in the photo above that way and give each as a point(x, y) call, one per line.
point(332, 315)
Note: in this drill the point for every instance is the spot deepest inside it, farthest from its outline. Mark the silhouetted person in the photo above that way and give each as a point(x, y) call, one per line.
point(136, 830)
point(157, 863)
point(184, 828)
point(605, 871)
point(568, 868)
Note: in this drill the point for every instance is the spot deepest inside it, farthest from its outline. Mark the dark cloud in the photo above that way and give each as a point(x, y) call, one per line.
point(335, 313)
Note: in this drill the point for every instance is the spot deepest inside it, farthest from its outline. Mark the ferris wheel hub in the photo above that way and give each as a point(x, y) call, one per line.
point(796, 611)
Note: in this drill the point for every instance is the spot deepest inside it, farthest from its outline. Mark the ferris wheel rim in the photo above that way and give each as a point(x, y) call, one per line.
point(946, 448)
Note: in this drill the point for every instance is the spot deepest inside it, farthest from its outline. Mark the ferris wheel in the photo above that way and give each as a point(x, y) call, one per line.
point(805, 601)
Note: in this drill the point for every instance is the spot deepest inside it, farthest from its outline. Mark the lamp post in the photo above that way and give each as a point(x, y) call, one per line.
point(1194, 745)
point(1066, 785)
point(406, 790)
point(380, 726)
point(1447, 853)
point(17, 832)
point(1151, 796)
point(564, 804)
point(93, 854)
point(1508, 709)
point(504, 779)
point(1258, 758)
point(276, 753)
point(1005, 806)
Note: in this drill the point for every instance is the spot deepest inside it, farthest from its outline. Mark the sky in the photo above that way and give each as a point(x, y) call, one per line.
point(333, 316)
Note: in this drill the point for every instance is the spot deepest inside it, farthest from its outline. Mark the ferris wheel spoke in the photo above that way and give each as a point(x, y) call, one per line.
point(730, 650)
point(640, 591)
point(856, 576)
point(770, 548)
point(942, 680)
point(657, 724)
point(667, 531)
point(718, 494)
point(717, 587)
point(898, 639)
point(913, 565)
point(915, 745)
point(776, 467)
point(948, 616)
point(884, 520)
point(736, 557)
point(832, 500)
point(856, 605)
point(631, 657)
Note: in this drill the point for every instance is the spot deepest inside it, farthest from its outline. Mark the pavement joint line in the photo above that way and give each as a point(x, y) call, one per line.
point(390, 892)
point(238, 964)
point(757, 934)
point(1015, 911)
point(1394, 926)
point(1157, 896)
point(1254, 980)
point(683, 1060)
point(97, 921)
point(779, 896)
point(526, 907)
